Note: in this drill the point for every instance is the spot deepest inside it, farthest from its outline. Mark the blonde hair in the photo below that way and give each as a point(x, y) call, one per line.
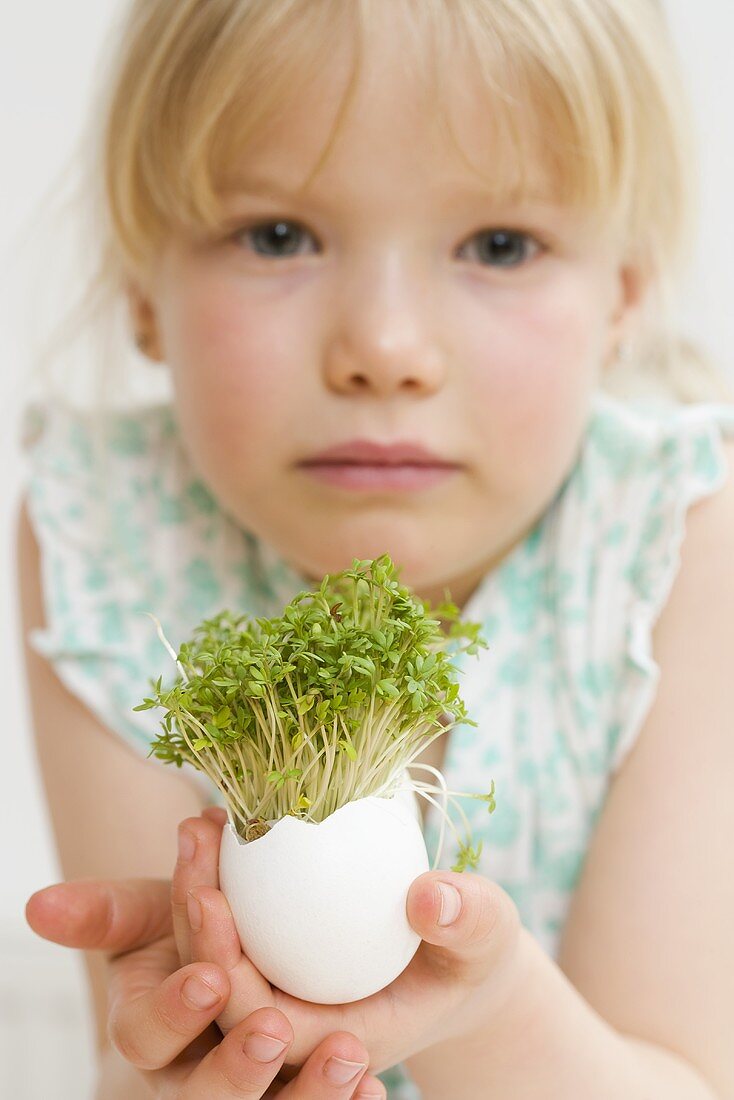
point(184, 85)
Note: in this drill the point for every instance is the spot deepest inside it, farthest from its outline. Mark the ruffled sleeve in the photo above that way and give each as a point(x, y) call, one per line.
point(88, 513)
point(664, 462)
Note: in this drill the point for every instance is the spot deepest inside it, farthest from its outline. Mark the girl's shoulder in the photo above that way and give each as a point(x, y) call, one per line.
point(640, 467)
point(82, 468)
point(113, 497)
point(113, 480)
point(615, 537)
point(628, 442)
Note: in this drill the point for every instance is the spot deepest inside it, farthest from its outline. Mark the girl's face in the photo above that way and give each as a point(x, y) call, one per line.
point(392, 301)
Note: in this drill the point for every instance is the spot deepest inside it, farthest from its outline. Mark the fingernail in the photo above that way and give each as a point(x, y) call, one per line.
point(338, 1071)
point(450, 903)
point(263, 1048)
point(194, 910)
point(198, 994)
point(186, 845)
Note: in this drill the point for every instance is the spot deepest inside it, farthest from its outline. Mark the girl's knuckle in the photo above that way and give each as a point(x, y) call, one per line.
point(496, 917)
point(508, 916)
point(126, 1043)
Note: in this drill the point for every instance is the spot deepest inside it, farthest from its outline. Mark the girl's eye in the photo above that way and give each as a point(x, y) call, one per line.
point(506, 247)
point(278, 239)
point(282, 239)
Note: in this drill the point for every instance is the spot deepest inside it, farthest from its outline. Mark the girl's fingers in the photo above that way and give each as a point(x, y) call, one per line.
point(214, 939)
point(150, 1028)
point(199, 839)
point(370, 1088)
point(336, 1070)
point(245, 1063)
point(217, 814)
point(113, 916)
point(245, 1066)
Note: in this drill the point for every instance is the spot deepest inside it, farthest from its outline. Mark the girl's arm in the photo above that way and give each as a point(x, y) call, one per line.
point(114, 814)
point(640, 1003)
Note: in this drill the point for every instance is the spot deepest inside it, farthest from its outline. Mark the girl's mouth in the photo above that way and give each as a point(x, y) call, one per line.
point(372, 477)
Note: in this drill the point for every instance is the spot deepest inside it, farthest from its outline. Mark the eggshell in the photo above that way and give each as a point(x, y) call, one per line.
point(320, 908)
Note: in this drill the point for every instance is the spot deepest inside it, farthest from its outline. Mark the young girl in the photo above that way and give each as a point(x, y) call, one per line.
point(447, 229)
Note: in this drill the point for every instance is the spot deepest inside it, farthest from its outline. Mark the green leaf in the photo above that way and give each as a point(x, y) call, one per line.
point(468, 857)
point(388, 687)
point(364, 664)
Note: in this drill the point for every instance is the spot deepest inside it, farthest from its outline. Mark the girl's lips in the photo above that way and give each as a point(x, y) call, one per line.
point(364, 477)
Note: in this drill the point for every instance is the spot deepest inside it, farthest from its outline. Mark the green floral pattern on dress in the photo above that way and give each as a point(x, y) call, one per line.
point(559, 696)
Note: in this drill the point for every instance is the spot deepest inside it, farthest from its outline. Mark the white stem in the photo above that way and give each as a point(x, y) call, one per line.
point(168, 645)
point(444, 788)
point(421, 790)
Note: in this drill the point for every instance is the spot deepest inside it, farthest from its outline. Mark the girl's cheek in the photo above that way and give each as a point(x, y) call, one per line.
point(235, 368)
point(228, 368)
point(530, 391)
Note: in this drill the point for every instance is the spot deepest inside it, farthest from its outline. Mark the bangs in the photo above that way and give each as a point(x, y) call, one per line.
point(548, 104)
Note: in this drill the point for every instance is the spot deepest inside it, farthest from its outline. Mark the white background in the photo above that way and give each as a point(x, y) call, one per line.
point(48, 55)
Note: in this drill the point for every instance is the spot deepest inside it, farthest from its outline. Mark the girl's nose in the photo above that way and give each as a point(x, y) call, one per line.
point(385, 343)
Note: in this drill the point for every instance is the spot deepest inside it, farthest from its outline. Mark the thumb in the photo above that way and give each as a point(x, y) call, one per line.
point(470, 925)
point(94, 914)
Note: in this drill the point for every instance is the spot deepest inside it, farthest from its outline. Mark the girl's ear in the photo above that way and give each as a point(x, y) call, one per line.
point(144, 324)
point(631, 287)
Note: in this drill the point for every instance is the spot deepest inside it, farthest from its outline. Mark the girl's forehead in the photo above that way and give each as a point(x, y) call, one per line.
point(402, 118)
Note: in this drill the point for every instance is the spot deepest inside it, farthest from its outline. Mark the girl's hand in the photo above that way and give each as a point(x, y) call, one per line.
point(457, 983)
point(159, 1020)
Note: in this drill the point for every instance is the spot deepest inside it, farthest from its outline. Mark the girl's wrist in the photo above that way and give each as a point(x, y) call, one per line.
point(485, 1025)
point(515, 995)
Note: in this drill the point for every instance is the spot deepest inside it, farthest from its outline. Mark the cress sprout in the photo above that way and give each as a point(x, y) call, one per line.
point(324, 704)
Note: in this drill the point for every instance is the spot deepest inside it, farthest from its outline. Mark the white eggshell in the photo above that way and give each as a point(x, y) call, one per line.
point(320, 908)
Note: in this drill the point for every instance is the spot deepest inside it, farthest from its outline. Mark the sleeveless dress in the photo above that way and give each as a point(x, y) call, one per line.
point(559, 696)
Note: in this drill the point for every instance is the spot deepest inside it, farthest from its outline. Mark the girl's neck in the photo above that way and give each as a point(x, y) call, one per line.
point(463, 588)
point(460, 590)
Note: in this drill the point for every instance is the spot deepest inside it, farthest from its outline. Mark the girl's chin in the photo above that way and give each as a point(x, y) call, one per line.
point(415, 567)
